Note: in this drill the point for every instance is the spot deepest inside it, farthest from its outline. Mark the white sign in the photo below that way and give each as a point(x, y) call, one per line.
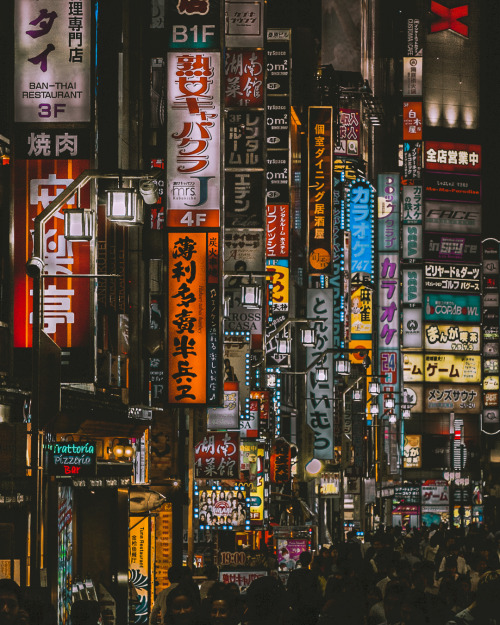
point(412, 328)
point(193, 138)
point(412, 76)
point(52, 61)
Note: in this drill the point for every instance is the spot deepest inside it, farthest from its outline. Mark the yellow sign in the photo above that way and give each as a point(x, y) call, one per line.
point(451, 368)
point(139, 555)
point(412, 453)
point(361, 311)
point(413, 367)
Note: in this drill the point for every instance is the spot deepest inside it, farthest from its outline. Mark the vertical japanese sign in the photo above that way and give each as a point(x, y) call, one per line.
point(320, 183)
point(360, 204)
point(193, 139)
point(244, 23)
point(277, 230)
point(412, 121)
point(66, 315)
point(389, 303)
point(217, 456)
point(319, 395)
point(388, 212)
point(193, 24)
point(349, 133)
point(193, 317)
point(52, 61)
point(244, 78)
point(139, 536)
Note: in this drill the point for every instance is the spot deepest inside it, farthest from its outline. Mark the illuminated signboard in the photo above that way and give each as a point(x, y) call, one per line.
point(360, 208)
point(244, 23)
point(226, 416)
point(193, 24)
point(278, 121)
point(319, 395)
point(456, 157)
point(66, 305)
point(52, 62)
point(140, 551)
point(278, 63)
point(435, 493)
point(412, 242)
point(412, 160)
point(412, 121)
point(217, 456)
point(412, 207)
point(222, 507)
point(243, 251)
point(249, 422)
point(412, 76)
point(412, 328)
point(450, 338)
point(244, 139)
point(244, 74)
point(454, 187)
point(453, 398)
point(277, 230)
point(450, 307)
point(243, 194)
point(451, 247)
point(445, 18)
point(412, 285)
point(193, 139)
point(349, 133)
point(72, 459)
point(388, 212)
point(413, 39)
point(412, 451)
point(452, 368)
point(320, 187)
point(458, 278)
point(414, 396)
point(361, 311)
point(193, 317)
point(413, 367)
point(453, 217)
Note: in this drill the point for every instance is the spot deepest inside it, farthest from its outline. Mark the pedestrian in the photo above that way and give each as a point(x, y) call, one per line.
point(85, 612)
point(304, 593)
point(159, 609)
point(223, 608)
point(266, 602)
point(11, 612)
point(485, 610)
point(183, 606)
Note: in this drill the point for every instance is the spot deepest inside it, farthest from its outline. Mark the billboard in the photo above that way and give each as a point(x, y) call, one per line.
point(451, 338)
point(411, 206)
point(244, 23)
point(244, 78)
point(454, 187)
point(319, 395)
point(388, 212)
point(465, 399)
point(193, 25)
point(361, 311)
point(320, 146)
point(451, 247)
point(222, 507)
point(412, 76)
point(412, 242)
point(278, 63)
point(193, 139)
point(412, 160)
point(349, 133)
point(455, 157)
point(53, 60)
point(277, 230)
point(453, 217)
point(360, 215)
point(412, 285)
point(217, 456)
point(458, 278)
point(244, 139)
point(452, 368)
point(412, 451)
point(243, 251)
point(412, 121)
point(412, 328)
point(243, 192)
point(451, 307)
point(193, 317)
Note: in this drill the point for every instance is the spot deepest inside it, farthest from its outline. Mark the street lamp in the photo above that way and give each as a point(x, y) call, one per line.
point(78, 226)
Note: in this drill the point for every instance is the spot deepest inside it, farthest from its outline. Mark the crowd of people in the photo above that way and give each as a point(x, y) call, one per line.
point(428, 576)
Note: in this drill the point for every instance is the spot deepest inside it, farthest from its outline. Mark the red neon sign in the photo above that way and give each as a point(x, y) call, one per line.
point(449, 18)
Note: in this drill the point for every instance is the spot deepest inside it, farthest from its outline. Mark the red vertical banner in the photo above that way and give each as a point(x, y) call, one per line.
point(66, 316)
point(187, 317)
point(320, 175)
point(277, 230)
point(244, 72)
